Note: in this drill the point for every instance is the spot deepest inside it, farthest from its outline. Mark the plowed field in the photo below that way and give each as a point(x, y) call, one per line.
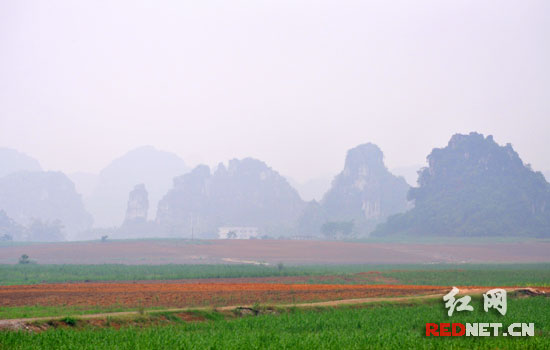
point(221, 251)
point(195, 294)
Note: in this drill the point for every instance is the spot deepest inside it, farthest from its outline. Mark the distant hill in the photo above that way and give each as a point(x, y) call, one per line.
point(475, 187)
point(135, 223)
point(48, 196)
point(245, 193)
point(145, 165)
point(85, 183)
point(12, 161)
point(364, 193)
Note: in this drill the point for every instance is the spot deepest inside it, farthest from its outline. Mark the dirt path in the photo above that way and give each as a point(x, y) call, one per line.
point(18, 324)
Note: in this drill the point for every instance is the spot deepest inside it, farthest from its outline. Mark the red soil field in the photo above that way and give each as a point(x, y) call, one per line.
point(195, 294)
point(272, 251)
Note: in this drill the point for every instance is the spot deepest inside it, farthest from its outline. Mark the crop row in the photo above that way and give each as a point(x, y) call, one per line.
point(440, 274)
point(383, 326)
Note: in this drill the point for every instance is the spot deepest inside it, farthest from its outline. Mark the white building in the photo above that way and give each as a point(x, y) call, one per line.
point(237, 232)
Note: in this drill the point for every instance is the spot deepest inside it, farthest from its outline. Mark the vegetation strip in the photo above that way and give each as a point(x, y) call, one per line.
point(20, 323)
point(366, 326)
point(425, 274)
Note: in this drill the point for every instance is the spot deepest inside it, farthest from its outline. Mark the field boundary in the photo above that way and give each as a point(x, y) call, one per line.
point(22, 323)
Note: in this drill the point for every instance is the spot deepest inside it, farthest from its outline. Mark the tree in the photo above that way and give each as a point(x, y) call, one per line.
point(24, 259)
point(9, 229)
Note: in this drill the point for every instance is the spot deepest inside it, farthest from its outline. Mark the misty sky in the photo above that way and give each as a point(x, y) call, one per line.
point(293, 83)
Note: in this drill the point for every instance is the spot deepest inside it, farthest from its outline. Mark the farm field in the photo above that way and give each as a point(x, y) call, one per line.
point(82, 289)
point(373, 326)
point(416, 274)
point(247, 306)
point(133, 295)
point(291, 252)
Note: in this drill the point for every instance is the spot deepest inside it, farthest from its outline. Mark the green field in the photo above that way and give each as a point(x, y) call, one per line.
point(381, 325)
point(440, 274)
point(386, 326)
point(29, 311)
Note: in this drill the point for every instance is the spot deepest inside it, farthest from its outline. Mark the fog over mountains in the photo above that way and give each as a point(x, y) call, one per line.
point(12, 161)
point(472, 187)
point(475, 187)
point(409, 173)
point(245, 193)
point(312, 189)
point(365, 191)
point(144, 165)
point(30, 197)
point(364, 194)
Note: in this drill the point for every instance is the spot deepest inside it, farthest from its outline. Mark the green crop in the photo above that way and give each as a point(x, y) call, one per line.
point(440, 274)
point(381, 326)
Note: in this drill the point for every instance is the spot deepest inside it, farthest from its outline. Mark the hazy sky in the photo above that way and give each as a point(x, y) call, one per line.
point(294, 83)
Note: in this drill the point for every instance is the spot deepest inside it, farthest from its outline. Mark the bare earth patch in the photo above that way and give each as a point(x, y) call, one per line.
point(194, 294)
point(272, 252)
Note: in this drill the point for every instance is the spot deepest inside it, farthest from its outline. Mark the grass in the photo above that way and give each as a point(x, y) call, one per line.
point(478, 275)
point(439, 274)
point(379, 326)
